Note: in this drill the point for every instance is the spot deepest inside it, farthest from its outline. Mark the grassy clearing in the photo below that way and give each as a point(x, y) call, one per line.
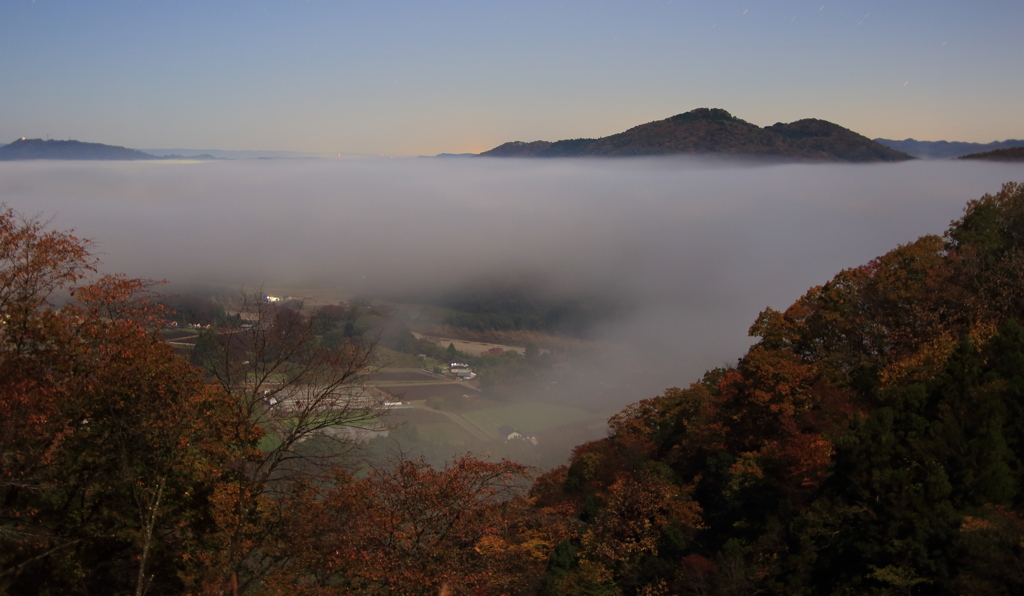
point(431, 427)
point(529, 417)
point(393, 359)
point(272, 439)
point(269, 441)
point(444, 433)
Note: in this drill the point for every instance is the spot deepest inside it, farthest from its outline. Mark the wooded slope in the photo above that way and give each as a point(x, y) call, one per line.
point(869, 443)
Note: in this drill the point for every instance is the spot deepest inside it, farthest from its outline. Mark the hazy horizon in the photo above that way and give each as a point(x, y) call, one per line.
point(270, 153)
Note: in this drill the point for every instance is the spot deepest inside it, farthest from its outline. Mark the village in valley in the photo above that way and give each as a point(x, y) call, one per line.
point(437, 394)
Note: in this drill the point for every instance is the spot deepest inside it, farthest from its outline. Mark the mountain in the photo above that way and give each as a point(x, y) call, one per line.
point(946, 149)
point(40, 149)
point(1008, 154)
point(716, 131)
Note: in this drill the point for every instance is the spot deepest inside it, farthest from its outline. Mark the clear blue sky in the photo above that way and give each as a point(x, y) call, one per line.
point(408, 78)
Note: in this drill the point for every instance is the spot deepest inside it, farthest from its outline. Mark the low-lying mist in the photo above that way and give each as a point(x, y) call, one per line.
point(691, 248)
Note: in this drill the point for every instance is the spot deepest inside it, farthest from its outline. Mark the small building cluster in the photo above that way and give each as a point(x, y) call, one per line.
point(508, 433)
point(462, 371)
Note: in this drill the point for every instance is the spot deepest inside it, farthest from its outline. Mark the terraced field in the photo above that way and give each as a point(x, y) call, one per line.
point(424, 392)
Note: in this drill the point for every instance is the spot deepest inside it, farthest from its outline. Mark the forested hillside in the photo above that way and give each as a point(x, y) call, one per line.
point(1008, 154)
point(870, 442)
point(55, 149)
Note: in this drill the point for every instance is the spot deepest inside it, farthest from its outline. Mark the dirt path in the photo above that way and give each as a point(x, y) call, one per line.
point(466, 425)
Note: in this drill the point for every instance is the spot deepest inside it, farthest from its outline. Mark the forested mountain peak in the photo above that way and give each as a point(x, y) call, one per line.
point(703, 114)
point(716, 131)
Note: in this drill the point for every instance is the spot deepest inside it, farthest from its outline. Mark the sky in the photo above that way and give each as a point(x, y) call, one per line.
point(421, 78)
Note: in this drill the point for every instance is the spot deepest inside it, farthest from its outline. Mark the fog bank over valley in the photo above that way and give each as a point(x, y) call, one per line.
point(690, 250)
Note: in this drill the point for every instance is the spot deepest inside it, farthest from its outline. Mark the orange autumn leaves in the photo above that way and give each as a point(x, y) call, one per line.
point(465, 529)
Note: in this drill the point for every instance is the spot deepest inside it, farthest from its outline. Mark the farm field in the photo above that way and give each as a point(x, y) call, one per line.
point(529, 417)
point(425, 392)
point(432, 427)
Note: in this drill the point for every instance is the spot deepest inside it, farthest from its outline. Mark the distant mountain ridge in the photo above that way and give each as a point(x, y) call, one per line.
point(28, 149)
point(1007, 154)
point(54, 149)
point(946, 149)
point(716, 131)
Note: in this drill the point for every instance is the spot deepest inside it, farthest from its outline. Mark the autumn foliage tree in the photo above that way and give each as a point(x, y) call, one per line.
point(289, 391)
point(109, 445)
point(465, 529)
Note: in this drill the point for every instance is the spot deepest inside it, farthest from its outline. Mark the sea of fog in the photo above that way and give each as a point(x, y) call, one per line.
point(694, 247)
